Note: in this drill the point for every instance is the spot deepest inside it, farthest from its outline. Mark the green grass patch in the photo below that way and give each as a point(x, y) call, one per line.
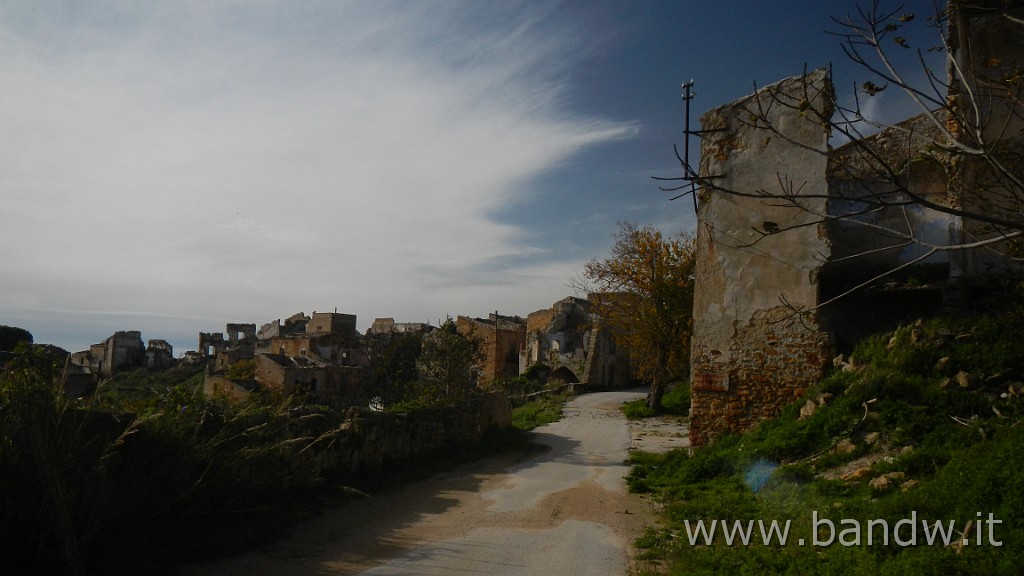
point(134, 390)
point(542, 410)
point(637, 409)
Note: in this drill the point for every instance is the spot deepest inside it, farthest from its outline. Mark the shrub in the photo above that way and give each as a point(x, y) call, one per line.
point(637, 409)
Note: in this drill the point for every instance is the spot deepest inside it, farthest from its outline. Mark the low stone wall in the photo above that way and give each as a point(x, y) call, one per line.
point(368, 442)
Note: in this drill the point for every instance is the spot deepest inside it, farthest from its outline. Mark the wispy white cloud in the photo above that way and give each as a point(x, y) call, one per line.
point(248, 159)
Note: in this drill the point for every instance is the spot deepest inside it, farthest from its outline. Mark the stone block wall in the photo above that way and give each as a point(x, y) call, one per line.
point(227, 388)
point(369, 442)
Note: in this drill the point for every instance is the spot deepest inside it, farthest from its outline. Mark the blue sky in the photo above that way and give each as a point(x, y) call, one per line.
point(171, 167)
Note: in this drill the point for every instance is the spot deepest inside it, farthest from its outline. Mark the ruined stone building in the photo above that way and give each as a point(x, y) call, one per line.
point(568, 339)
point(389, 326)
point(240, 344)
point(294, 324)
point(328, 336)
point(338, 384)
point(123, 350)
point(159, 355)
point(767, 272)
point(503, 338)
point(319, 355)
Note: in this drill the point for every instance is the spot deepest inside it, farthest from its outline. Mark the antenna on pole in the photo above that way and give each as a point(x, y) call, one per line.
point(688, 172)
point(690, 176)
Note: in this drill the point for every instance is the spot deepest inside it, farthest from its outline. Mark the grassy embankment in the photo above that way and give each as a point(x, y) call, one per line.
point(922, 425)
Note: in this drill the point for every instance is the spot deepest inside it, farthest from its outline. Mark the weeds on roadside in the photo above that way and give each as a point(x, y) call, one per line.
point(539, 411)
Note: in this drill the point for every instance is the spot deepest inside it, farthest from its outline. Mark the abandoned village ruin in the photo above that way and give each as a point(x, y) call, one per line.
point(323, 355)
point(778, 249)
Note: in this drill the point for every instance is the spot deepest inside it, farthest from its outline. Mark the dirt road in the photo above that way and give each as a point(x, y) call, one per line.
point(563, 510)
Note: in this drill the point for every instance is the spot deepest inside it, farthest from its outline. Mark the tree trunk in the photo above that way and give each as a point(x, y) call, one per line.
point(658, 381)
point(655, 393)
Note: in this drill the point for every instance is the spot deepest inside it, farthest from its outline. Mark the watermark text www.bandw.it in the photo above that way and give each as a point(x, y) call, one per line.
point(979, 531)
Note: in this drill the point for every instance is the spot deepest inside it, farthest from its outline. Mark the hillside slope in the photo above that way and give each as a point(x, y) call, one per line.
point(907, 459)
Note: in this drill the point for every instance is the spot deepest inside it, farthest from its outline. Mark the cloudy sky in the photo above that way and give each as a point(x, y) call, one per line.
point(173, 166)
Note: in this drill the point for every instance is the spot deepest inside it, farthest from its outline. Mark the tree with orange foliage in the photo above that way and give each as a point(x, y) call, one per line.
point(647, 303)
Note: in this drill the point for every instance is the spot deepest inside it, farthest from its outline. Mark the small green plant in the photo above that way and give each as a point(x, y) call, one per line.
point(539, 411)
point(677, 400)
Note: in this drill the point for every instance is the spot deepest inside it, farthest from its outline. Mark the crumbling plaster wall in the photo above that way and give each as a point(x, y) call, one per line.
point(751, 353)
point(607, 364)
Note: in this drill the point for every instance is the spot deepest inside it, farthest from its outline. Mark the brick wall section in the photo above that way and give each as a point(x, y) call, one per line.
point(775, 358)
point(503, 338)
